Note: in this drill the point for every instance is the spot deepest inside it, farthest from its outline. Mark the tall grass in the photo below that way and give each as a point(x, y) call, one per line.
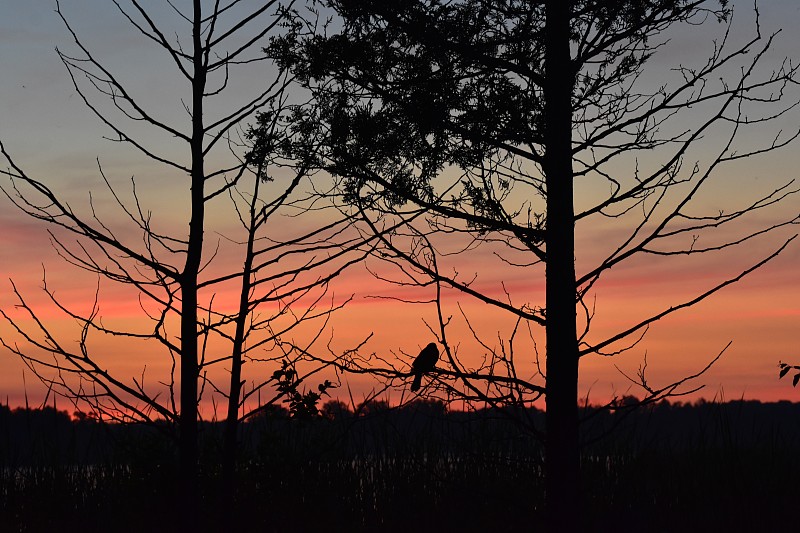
point(728, 468)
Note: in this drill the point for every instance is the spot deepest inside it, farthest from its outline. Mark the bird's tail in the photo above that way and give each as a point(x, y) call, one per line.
point(417, 382)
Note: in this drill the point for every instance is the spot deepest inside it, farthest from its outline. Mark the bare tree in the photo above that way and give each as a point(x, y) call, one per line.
point(283, 282)
point(508, 127)
point(178, 276)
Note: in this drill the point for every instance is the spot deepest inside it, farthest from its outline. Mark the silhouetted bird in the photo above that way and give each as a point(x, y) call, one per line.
point(425, 362)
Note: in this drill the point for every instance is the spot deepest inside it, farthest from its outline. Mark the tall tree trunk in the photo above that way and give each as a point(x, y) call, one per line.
point(189, 335)
point(561, 448)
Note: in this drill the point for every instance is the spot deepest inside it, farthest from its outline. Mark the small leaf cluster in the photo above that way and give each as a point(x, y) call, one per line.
point(786, 368)
point(302, 404)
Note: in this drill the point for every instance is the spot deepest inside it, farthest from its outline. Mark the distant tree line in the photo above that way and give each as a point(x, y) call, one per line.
point(50, 437)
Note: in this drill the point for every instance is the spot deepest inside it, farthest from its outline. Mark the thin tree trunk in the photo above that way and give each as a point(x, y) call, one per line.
point(231, 443)
point(189, 336)
point(561, 448)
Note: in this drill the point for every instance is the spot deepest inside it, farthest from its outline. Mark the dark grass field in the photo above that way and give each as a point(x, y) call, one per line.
point(710, 467)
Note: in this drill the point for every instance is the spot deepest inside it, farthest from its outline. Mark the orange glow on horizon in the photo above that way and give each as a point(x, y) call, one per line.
point(755, 315)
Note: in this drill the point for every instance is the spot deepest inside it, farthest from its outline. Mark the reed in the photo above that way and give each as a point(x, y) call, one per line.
point(682, 468)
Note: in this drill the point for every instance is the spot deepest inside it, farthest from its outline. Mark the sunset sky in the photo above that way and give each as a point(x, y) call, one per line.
point(49, 132)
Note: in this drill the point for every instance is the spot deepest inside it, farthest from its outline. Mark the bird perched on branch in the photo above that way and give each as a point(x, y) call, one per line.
point(425, 362)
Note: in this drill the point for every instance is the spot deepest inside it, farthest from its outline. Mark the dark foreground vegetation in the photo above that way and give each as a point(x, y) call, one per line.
point(670, 467)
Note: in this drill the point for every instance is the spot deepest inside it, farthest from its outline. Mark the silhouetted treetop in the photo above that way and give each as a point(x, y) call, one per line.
point(448, 82)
